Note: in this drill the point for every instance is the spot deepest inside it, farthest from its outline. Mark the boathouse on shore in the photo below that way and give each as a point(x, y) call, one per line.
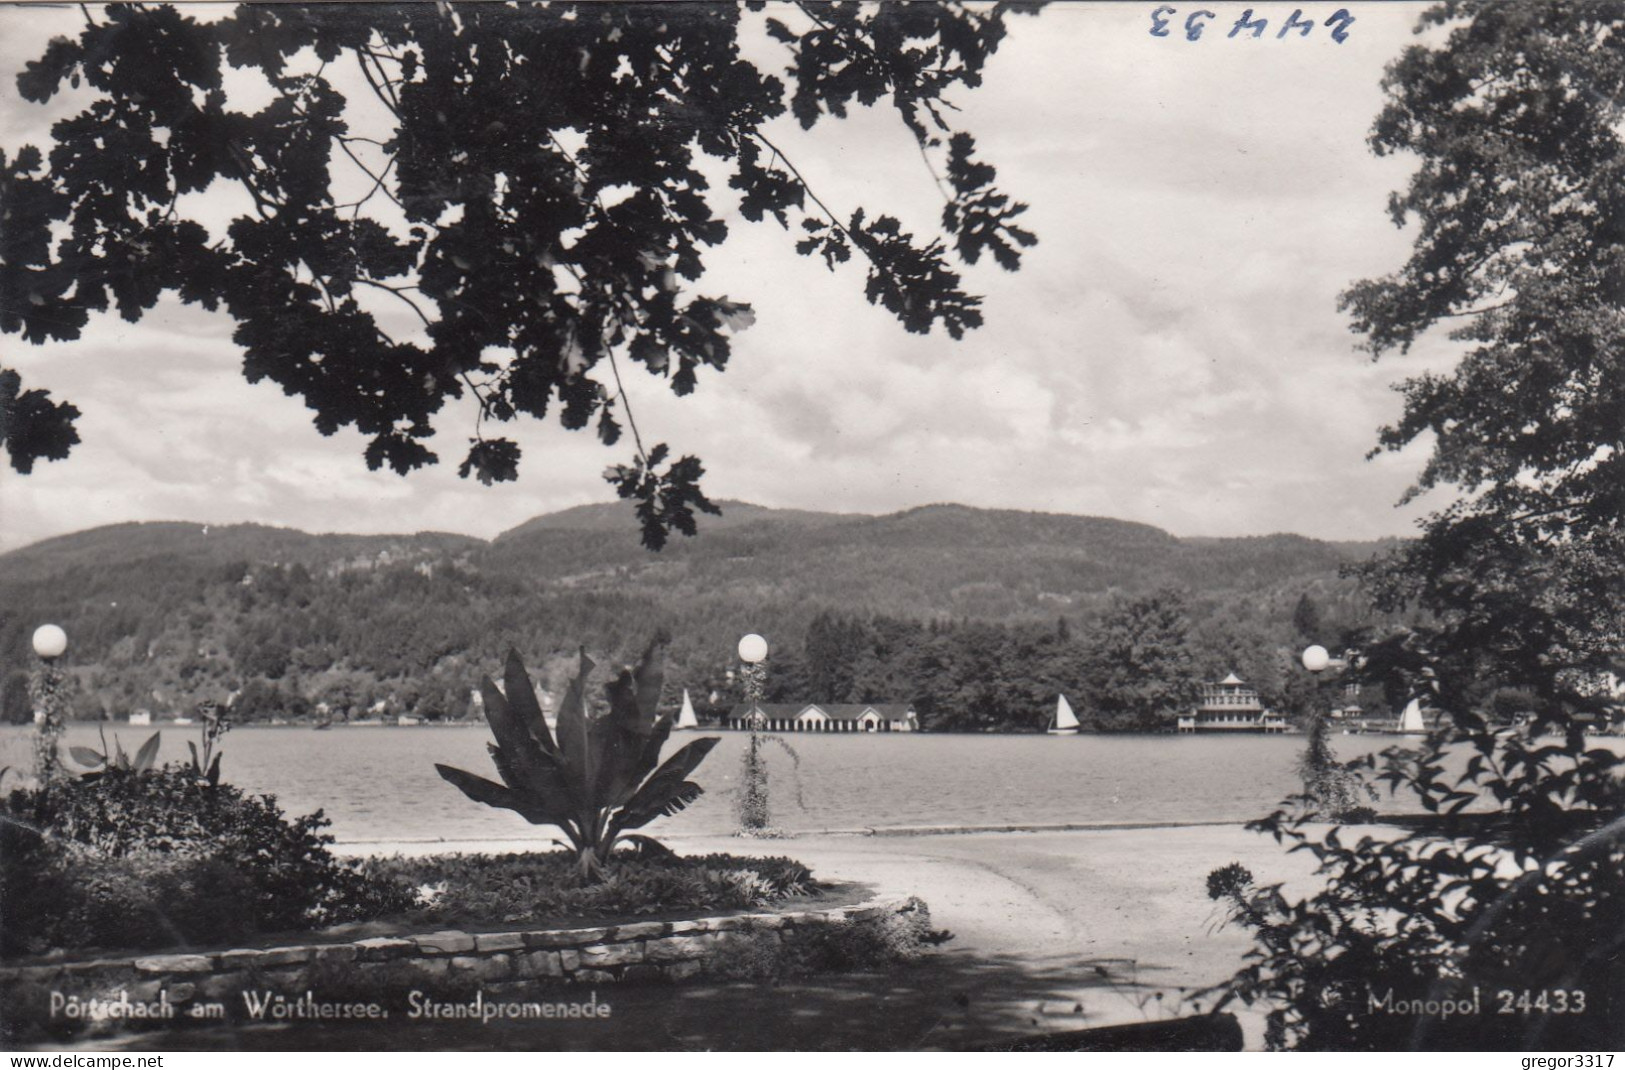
point(826, 716)
point(1231, 706)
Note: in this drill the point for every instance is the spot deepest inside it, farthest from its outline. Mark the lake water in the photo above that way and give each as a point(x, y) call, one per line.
point(379, 783)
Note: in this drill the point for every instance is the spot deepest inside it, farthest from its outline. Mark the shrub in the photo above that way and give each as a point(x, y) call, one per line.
point(1528, 900)
point(877, 943)
point(132, 859)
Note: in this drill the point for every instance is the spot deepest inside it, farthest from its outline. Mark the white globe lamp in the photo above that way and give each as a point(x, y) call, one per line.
point(752, 649)
point(1315, 658)
point(50, 641)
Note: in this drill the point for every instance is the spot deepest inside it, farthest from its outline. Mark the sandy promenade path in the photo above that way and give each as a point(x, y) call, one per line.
point(1053, 930)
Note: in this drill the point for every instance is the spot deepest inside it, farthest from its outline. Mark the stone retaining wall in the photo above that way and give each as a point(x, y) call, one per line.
point(387, 967)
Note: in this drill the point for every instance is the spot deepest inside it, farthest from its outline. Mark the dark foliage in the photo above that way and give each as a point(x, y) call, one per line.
point(529, 254)
point(162, 858)
point(1335, 790)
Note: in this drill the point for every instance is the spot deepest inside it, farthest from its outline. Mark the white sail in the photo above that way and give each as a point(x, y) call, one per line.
point(1066, 722)
point(685, 717)
point(1411, 719)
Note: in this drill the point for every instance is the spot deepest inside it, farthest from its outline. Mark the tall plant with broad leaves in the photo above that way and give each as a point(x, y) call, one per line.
point(599, 778)
point(115, 759)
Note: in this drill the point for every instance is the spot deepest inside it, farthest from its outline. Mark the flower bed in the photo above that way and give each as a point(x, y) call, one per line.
point(482, 889)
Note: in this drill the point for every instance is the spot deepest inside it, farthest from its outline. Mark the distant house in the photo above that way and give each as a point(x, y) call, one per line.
point(1231, 706)
point(826, 716)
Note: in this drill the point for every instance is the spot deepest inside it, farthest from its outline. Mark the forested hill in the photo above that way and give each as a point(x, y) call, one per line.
point(161, 614)
point(939, 560)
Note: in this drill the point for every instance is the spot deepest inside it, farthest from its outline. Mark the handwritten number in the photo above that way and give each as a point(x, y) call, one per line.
point(1343, 21)
point(1296, 21)
point(1159, 20)
point(1247, 22)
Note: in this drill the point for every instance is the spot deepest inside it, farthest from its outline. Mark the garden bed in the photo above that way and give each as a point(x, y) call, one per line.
point(467, 974)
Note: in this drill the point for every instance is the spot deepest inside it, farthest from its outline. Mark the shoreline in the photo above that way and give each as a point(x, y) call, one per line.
point(791, 835)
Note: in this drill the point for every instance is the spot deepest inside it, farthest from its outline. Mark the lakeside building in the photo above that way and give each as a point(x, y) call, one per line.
point(1231, 706)
point(826, 716)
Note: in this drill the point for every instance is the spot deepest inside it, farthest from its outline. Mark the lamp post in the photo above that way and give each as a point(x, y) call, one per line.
point(1330, 786)
point(753, 809)
point(753, 674)
point(50, 642)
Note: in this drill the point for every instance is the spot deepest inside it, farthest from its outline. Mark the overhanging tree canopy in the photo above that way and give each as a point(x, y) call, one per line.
point(1514, 114)
point(1519, 199)
point(525, 180)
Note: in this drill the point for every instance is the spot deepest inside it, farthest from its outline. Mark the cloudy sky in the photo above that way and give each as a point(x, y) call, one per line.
point(1170, 353)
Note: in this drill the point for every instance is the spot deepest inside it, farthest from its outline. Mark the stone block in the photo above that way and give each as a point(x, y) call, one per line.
point(740, 922)
point(222, 986)
point(35, 975)
point(499, 941)
point(679, 948)
point(565, 937)
point(141, 991)
point(238, 958)
point(692, 925)
point(283, 956)
point(871, 912)
point(335, 953)
point(539, 964)
point(612, 954)
point(181, 991)
point(449, 942)
point(382, 948)
point(640, 930)
point(570, 960)
point(286, 981)
point(682, 971)
point(99, 966)
point(593, 977)
point(484, 967)
point(174, 964)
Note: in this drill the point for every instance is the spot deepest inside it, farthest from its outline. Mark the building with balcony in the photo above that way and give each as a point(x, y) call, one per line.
point(1231, 706)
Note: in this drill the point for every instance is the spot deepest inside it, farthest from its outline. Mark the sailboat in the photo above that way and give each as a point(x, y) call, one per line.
point(1410, 722)
point(685, 716)
point(1065, 722)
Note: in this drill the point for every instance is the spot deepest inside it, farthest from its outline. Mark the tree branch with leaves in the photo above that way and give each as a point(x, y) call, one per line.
point(475, 201)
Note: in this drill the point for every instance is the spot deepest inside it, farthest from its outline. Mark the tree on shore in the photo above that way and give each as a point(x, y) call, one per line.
point(1515, 118)
point(501, 202)
point(1140, 671)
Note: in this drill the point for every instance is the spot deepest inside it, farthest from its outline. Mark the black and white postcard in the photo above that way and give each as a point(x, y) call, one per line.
point(813, 526)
